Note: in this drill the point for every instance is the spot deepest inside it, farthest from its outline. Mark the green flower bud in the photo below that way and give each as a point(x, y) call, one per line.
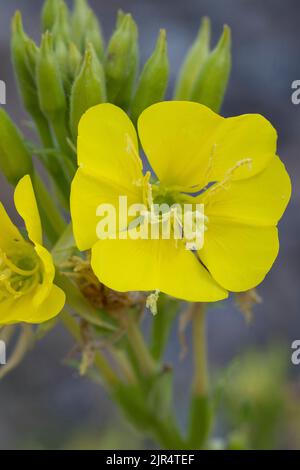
point(24, 57)
point(15, 159)
point(122, 61)
point(49, 81)
point(88, 89)
point(211, 84)
point(193, 62)
point(31, 54)
point(94, 34)
point(74, 61)
point(49, 14)
point(120, 16)
point(22, 62)
point(80, 19)
point(61, 26)
point(153, 81)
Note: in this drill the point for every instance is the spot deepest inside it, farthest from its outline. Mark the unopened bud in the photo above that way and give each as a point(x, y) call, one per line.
point(49, 14)
point(49, 81)
point(15, 159)
point(211, 84)
point(88, 89)
point(153, 81)
point(94, 34)
point(193, 62)
point(122, 61)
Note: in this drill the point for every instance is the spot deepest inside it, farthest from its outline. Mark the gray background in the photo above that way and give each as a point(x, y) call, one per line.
point(43, 403)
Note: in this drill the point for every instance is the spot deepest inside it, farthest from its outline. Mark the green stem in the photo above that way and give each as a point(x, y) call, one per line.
point(100, 362)
point(139, 347)
point(44, 131)
point(200, 403)
point(200, 382)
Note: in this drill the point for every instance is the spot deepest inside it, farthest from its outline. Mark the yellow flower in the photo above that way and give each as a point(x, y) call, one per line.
point(229, 165)
point(27, 292)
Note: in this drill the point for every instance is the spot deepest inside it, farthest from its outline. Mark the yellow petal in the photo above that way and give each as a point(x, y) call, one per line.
point(173, 135)
point(238, 256)
point(8, 231)
point(87, 193)
point(51, 306)
point(24, 309)
point(26, 206)
point(145, 265)
point(48, 270)
point(107, 145)
point(260, 200)
point(241, 139)
point(187, 144)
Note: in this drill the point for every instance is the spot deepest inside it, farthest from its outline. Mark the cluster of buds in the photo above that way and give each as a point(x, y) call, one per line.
point(72, 70)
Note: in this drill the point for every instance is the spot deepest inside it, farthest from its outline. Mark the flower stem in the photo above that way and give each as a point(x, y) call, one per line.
point(200, 382)
point(139, 347)
point(100, 362)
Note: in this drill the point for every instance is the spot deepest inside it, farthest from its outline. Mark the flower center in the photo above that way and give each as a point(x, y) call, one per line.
point(20, 271)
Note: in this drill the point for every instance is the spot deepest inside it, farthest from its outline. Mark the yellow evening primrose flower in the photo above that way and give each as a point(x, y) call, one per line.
point(227, 164)
point(27, 292)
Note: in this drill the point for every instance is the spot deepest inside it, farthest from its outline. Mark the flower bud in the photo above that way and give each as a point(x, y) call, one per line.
point(31, 54)
point(86, 27)
point(211, 83)
point(49, 14)
point(15, 159)
point(193, 62)
point(154, 78)
point(23, 65)
point(94, 34)
point(122, 60)
point(74, 61)
point(61, 25)
point(49, 81)
point(88, 89)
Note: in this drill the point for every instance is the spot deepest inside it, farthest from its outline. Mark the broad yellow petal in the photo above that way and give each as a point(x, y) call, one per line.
point(8, 231)
point(107, 145)
point(187, 144)
point(173, 135)
point(24, 309)
point(238, 256)
point(260, 200)
point(87, 193)
point(243, 146)
point(52, 306)
point(26, 206)
point(145, 265)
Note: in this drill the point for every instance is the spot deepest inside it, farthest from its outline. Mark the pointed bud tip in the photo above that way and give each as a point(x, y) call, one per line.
point(226, 36)
point(17, 23)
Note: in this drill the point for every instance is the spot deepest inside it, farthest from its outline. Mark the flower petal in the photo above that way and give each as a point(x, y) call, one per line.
point(187, 144)
point(249, 137)
point(260, 200)
point(173, 135)
point(8, 231)
point(145, 265)
point(87, 193)
point(107, 145)
point(48, 268)
point(238, 256)
point(26, 206)
point(24, 310)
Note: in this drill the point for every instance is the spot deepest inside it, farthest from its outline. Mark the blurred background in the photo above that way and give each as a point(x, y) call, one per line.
point(44, 404)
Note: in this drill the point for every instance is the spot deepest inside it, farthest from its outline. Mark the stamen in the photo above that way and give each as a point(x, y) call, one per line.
point(133, 152)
